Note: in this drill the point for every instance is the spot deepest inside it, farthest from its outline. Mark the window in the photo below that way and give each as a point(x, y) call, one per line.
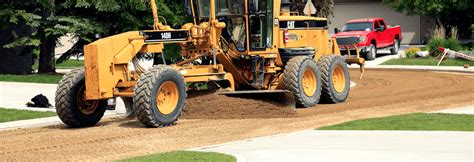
point(382, 24)
point(376, 25)
point(260, 24)
point(357, 26)
point(230, 7)
point(204, 7)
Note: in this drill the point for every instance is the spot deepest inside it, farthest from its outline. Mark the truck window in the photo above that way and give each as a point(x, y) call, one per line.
point(376, 25)
point(382, 24)
point(358, 26)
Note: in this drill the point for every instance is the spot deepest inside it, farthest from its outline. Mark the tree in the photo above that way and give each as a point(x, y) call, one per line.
point(448, 13)
point(127, 15)
point(15, 24)
point(47, 22)
point(87, 20)
point(325, 8)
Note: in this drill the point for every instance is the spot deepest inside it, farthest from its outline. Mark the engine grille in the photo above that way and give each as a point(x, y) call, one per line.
point(347, 40)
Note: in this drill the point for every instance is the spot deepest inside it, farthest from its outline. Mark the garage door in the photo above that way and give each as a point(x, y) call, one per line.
point(410, 24)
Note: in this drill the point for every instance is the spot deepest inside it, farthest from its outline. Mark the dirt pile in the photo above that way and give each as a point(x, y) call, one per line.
point(210, 105)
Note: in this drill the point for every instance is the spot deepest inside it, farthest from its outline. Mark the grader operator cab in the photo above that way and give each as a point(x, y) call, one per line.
point(241, 46)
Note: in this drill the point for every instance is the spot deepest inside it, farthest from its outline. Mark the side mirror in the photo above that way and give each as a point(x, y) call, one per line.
point(378, 29)
point(336, 30)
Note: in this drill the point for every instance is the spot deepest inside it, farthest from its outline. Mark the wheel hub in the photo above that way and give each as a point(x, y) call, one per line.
point(167, 97)
point(309, 82)
point(86, 107)
point(339, 79)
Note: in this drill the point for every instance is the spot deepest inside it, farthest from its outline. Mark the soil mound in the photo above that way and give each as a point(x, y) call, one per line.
point(210, 105)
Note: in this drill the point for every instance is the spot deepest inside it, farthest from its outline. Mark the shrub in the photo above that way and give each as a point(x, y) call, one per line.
point(450, 43)
point(438, 39)
point(453, 44)
point(411, 52)
point(433, 45)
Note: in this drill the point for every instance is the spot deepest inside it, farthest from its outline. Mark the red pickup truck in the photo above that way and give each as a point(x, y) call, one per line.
point(369, 34)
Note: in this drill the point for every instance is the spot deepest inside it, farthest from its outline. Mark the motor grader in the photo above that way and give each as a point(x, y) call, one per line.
point(239, 46)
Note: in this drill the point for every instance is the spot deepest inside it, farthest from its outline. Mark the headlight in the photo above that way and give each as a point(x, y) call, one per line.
point(363, 39)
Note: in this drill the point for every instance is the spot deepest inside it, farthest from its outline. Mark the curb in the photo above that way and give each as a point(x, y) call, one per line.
point(40, 122)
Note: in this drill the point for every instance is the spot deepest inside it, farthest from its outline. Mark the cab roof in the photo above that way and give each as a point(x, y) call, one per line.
point(364, 20)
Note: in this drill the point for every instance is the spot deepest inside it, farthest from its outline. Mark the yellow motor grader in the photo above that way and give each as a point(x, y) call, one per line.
point(242, 46)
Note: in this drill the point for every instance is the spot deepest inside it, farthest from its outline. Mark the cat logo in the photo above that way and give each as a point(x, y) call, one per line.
point(291, 24)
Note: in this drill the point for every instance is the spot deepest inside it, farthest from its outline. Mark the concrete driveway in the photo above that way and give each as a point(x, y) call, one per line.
point(354, 146)
point(16, 95)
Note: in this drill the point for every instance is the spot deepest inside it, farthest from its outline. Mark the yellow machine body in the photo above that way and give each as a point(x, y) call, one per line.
point(107, 60)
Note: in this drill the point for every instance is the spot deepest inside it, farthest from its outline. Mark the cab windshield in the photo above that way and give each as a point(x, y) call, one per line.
point(204, 7)
point(223, 8)
point(358, 26)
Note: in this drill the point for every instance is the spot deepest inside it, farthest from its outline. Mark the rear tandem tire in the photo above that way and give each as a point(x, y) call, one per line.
point(396, 47)
point(335, 79)
point(303, 79)
point(71, 106)
point(159, 96)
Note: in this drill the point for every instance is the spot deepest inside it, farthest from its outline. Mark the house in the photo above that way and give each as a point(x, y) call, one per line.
point(415, 29)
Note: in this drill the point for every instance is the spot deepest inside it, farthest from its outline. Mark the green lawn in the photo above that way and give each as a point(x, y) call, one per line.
point(428, 62)
point(34, 78)
point(417, 121)
point(68, 64)
point(185, 156)
point(7, 115)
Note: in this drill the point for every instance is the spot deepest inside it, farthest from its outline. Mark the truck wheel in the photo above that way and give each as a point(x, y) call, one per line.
point(303, 79)
point(159, 96)
point(335, 79)
point(396, 47)
point(372, 53)
point(71, 104)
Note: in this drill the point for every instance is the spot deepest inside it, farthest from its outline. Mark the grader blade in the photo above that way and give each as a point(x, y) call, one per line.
point(283, 97)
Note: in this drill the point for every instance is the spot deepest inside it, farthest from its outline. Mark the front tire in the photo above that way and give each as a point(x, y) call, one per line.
point(372, 53)
point(159, 96)
point(303, 79)
point(335, 79)
point(71, 104)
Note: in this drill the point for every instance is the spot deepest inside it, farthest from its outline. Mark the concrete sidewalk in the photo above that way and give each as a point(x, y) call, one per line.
point(354, 146)
point(15, 95)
